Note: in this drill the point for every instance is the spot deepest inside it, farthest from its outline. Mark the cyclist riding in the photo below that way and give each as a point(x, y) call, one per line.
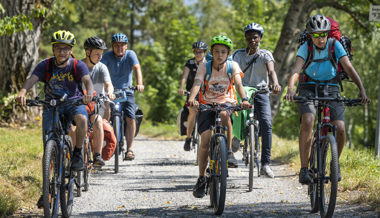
point(217, 90)
point(320, 70)
point(121, 62)
point(258, 65)
point(101, 80)
point(188, 75)
point(65, 77)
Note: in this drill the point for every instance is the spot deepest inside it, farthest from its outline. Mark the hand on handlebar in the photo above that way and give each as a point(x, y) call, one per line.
point(140, 88)
point(364, 97)
point(290, 95)
point(21, 98)
point(193, 103)
point(87, 99)
point(181, 91)
point(276, 88)
point(245, 105)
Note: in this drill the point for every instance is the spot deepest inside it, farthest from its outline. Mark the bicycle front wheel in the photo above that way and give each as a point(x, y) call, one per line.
point(218, 183)
point(329, 183)
point(88, 162)
point(50, 179)
point(251, 141)
point(116, 128)
point(67, 181)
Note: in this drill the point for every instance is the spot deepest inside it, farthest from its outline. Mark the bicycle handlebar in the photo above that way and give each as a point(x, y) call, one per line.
point(346, 101)
point(220, 107)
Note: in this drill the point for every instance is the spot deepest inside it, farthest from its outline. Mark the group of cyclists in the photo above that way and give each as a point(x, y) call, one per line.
point(97, 74)
point(250, 66)
point(258, 72)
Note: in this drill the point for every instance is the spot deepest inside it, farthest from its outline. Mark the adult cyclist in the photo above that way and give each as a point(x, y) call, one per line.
point(63, 81)
point(121, 63)
point(259, 73)
point(188, 75)
point(320, 69)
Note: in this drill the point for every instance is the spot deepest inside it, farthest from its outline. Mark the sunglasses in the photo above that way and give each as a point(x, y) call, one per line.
point(317, 35)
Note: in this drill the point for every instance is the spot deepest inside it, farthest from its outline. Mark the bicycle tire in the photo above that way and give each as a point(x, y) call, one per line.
point(78, 179)
point(313, 187)
point(251, 157)
point(329, 185)
point(257, 154)
point(67, 185)
point(50, 179)
point(116, 128)
point(218, 183)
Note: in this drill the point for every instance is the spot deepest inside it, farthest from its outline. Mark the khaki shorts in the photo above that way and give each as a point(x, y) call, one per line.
point(336, 108)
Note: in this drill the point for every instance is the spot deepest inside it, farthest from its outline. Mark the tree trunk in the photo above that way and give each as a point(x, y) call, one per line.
point(19, 52)
point(286, 48)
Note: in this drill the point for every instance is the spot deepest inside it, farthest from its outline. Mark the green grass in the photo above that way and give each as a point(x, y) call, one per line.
point(20, 172)
point(160, 131)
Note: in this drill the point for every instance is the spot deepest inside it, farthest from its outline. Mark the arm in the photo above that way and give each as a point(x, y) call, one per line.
point(86, 80)
point(27, 85)
point(347, 66)
point(185, 74)
point(240, 90)
point(139, 78)
point(275, 87)
point(109, 90)
point(194, 91)
point(294, 74)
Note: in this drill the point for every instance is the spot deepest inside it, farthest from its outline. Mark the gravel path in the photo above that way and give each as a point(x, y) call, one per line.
point(158, 183)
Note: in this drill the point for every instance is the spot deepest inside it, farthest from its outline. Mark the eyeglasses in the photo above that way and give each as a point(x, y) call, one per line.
point(317, 35)
point(64, 50)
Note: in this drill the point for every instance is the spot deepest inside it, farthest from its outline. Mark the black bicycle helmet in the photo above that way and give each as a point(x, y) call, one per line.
point(95, 43)
point(318, 23)
point(200, 45)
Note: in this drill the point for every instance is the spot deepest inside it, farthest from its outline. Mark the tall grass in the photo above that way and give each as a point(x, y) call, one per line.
point(20, 172)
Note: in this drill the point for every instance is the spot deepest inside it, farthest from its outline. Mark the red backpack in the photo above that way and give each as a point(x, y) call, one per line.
point(110, 139)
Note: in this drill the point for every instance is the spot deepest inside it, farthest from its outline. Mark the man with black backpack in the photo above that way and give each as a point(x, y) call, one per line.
point(317, 59)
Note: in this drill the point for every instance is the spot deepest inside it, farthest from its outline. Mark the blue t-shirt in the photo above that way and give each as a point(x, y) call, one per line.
point(321, 71)
point(121, 69)
point(62, 80)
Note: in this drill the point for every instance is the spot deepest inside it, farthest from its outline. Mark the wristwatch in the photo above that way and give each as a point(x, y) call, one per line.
point(244, 99)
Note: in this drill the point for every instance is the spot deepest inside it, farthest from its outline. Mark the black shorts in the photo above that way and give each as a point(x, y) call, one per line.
point(206, 119)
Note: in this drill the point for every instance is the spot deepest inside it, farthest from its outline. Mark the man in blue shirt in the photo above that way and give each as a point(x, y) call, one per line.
point(121, 63)
point(323, 71)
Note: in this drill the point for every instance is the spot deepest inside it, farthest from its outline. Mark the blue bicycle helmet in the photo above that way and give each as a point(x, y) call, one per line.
point(119, 37)
point(254, 27)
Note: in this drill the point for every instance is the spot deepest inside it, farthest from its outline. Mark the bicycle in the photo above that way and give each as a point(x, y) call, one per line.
point(87, 148)
point(195, 136)
point(118, 123)
point(58, 178)
point(323, 161)
point(218, 171)
point(251, 147)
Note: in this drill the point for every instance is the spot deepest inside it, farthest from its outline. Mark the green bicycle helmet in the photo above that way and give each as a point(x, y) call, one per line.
point(63, 36)
point(222, 40)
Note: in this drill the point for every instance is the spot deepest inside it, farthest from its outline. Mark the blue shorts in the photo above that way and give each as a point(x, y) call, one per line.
point(69, 111)
point(129, 107)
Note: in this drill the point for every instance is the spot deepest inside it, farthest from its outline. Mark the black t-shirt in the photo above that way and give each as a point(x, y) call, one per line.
point(192, 65)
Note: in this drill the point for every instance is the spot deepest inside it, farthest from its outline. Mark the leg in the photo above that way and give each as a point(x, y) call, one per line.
point(80, 133)
point(307, 123)
point(226, 121)
point(107, 111)
point(341, 135)
point(203, 152)
point(98, 138)
point(190, 122)
point(130, 132)
point(72, 133)
point(130, 127)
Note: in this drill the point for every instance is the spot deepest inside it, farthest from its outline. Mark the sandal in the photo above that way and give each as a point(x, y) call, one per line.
point(129, 155)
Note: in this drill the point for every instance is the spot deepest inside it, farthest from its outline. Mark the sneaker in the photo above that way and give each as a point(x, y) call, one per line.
point(267, 171)
point(77, 161)
point(98, 160)
point(186, 146)
point(40, 202)
point(304, 177)
point(199, 190)
point(232, 162)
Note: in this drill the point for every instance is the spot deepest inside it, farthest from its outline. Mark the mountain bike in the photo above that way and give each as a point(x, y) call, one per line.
point(118, 122)
point(251, 147)
point(195, 136)
point(58, 178)
point(218, 171)
point(88, 149)
point(323, 161)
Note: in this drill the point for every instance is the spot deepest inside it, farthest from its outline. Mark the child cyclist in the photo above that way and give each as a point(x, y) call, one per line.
point(188, 75)
point(217, 92)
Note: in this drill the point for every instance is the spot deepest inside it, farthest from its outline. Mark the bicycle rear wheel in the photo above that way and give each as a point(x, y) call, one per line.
point(50, 179)
point(313, 187)
point(218, 183)
point(116, 128)
point(329, 183)
point(67, 182)
point(251, 141)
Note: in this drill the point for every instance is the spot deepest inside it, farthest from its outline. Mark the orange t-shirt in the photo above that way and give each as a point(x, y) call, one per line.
point(219, 82)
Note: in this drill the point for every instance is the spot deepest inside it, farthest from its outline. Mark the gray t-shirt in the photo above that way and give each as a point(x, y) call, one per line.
point(99, 75)
point(257, 74)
